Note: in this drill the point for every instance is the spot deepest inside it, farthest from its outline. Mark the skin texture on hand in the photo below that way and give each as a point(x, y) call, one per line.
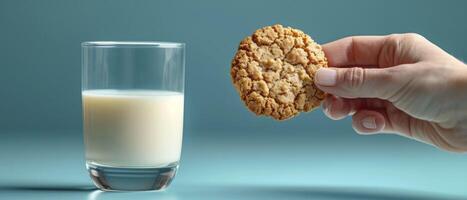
point(401, 84)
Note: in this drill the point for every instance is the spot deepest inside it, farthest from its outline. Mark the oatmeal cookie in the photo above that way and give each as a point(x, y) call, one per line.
point(273, 72)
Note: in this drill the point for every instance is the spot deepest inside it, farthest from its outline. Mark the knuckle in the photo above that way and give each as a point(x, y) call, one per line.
point(397, 45)
point(354, 77)
point(404, 37)
point(393, 38)
point(389, 49)
point(412, 37)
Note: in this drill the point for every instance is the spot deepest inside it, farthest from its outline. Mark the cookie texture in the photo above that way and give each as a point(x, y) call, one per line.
point(273, 71)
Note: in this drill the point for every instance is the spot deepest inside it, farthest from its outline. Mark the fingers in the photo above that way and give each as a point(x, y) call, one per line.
point(372, 116)
point(368, 121)
point(335, 108)
point(358, 82)
point(369, 114)
point(356, 50)
point(338, 108)
point(367, 111)
point(381, 51)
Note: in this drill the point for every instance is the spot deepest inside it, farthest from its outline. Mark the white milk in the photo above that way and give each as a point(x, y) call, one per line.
point(133, 128)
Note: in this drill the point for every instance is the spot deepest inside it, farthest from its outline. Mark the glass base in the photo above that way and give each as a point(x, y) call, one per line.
point(132, 179)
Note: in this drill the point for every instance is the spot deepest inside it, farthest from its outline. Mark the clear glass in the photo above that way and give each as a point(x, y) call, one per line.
point(133, 94)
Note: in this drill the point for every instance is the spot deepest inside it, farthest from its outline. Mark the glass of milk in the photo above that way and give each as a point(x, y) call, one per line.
point(132, 96)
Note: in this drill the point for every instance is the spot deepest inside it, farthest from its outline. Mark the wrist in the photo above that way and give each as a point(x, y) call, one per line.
point(459, 95)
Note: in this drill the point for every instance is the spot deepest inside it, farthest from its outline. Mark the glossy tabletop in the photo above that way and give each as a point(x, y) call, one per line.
point(246, 165)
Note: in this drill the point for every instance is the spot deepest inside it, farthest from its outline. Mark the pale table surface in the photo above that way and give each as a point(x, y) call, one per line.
point(229, 165)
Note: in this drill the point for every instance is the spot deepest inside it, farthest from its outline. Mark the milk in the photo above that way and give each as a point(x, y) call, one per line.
point(132, 128)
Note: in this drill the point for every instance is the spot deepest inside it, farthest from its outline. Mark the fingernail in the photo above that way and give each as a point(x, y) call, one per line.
point(326, 77)
point(369, 122)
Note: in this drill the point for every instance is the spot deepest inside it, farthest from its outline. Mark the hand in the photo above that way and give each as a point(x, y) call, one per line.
point(400, 84)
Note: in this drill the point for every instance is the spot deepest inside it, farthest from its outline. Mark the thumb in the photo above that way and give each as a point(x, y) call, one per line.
point(357, 82)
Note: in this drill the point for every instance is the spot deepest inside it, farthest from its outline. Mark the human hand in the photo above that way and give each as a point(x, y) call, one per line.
point(400, 83)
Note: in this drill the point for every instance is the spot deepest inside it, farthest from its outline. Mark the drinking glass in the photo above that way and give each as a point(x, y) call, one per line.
point(133, 94)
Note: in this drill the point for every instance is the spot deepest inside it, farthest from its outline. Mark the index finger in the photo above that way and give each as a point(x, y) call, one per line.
point(354, 51)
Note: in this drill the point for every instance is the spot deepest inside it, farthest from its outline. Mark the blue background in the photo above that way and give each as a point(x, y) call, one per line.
point(40, 104)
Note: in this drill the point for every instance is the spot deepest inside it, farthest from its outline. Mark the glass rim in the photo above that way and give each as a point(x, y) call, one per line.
point(132, 44)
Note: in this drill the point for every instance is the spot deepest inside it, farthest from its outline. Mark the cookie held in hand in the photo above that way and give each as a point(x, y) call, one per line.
point(273, 71)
